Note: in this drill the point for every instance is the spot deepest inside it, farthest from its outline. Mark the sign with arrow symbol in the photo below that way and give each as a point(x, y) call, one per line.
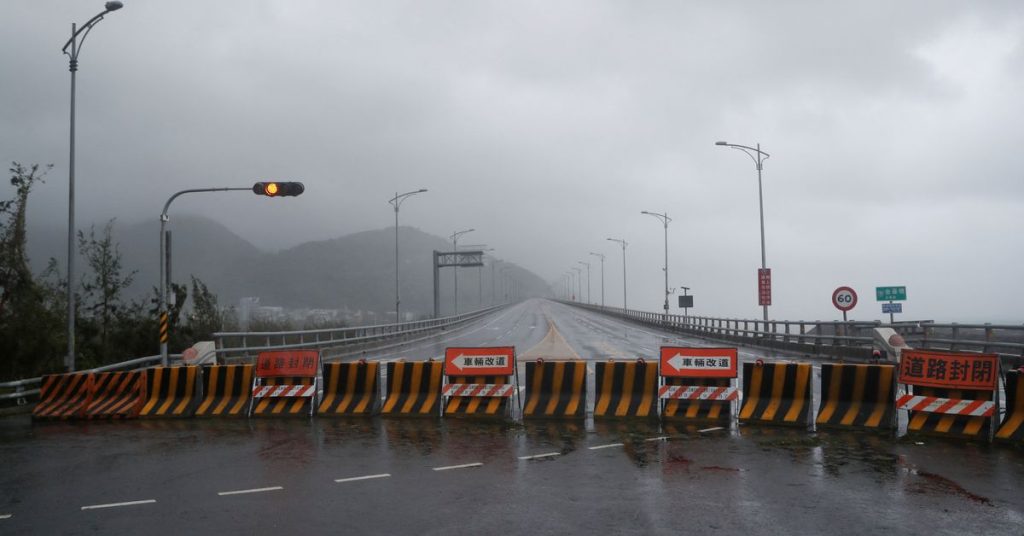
point(681, 362)
point(482, 361)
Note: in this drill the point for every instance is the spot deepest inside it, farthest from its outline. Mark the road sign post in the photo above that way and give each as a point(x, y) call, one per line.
point(845, 299)
point(891, 294)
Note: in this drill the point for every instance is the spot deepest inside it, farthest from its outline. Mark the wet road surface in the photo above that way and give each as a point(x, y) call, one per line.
point(452, 476)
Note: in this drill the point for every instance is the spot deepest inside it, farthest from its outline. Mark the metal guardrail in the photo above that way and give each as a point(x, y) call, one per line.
point(246, 344)
point(20, 385)
point(837, 338)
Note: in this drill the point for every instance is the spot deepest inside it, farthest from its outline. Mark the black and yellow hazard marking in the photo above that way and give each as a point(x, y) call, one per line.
point(940, 424)
point(556, 389)
point(171, 392)
point(478, 406)
point(626, 389)
point(285, 405)
point(858, 396)
point(165, 328)
point(226, 391)
point(62, 396)
point(776, 393)
point(414, 388)
point(351, 389)
point(115, 395)
point(1012, 428)
point(697, 410)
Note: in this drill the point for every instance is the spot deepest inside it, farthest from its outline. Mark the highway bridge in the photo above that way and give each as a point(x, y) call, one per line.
point(409, 475)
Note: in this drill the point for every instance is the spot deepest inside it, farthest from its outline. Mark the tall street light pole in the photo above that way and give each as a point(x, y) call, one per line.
point(397, 203)
point(622, 243)
point(455, 269)
point(579, 282)
point(479, 272)
point(664, 220)
point(587, 264)
point(75, 44)
point(758, 156)
point(601, 256)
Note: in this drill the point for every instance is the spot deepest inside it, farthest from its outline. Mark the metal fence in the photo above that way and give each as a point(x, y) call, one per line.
point(836, 338)
point(21, 390)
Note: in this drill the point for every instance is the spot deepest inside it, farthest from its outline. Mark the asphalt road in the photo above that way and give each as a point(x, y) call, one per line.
point(451, 476)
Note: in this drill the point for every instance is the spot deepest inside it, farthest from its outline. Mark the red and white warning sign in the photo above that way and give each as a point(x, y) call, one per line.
point(949, 370)
point(681, 362)
point(483, 361)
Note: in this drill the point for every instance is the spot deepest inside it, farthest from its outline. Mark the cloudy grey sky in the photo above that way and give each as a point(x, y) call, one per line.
point(893, 128)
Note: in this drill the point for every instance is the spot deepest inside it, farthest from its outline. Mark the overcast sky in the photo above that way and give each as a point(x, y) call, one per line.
point(894, 130)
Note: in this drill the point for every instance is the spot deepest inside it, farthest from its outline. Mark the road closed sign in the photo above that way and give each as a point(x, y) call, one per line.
point(480, 361)
point(681, 362)
point(844, 298)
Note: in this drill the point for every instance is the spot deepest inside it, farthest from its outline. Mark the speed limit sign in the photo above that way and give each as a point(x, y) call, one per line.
point(844, 298)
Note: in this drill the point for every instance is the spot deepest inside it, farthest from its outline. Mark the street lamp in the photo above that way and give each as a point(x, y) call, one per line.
point(664, 219)
point(579, 282)
point(622, 243)
point(397, 202)
point(455, 241)
point(587, 264)
point(601, 256)
point(758, 156)
point(76, 47)
point(479, 271)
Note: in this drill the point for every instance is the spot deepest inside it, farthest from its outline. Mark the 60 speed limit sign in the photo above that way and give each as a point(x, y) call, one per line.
point(844, 298)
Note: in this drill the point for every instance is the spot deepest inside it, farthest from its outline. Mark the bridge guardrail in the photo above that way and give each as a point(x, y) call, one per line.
point(851, 339)
point(20, 390)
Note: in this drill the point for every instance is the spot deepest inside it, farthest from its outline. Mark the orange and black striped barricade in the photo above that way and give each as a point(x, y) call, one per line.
point(285, 383)
point(116, 395)
point(414, 388)
point(626, 389)
point(1012, 428)
point(226, 390)
point(950, 393)
point(479, 381)
point(776, 393)
point(350, 389)
point(556, 390)
point(63, 396)
point(171, 391)
point(698, 383)
point(857, 396)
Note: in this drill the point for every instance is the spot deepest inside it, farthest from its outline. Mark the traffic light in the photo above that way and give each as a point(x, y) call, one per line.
point(278, 189)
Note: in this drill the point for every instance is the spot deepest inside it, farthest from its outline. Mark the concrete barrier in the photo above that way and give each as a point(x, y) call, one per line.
point(62, 396)
point(115, 395)
point(226, 391)
point(351, 389)
point(171, 392)
point(776, 393)
point(556, 389)
point(858, 396)
point(1012, 428)
point(626, 389)
point(414, 388)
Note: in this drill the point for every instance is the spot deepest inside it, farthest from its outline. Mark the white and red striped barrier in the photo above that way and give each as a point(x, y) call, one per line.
point(697, 392)
point(283, 391)
point(478, 389)
point(946, 406)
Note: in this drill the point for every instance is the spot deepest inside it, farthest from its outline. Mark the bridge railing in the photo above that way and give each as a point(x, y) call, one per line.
point(22, 390)
point(852, 339)
point(245, 345)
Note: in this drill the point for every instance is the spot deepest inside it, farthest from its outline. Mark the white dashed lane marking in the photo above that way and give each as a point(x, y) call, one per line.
point(356, 478)
point(463, 466)
point(608, 446)
point(114, 505)
point(255, 490)
point(537, 456)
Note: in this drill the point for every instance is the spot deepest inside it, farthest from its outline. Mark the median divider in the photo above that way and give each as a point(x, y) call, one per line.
point(226, 390)
point(171, 391)
point(62, 396)
point(776, 393)
point(1012, 428)
point(950, 393)
point(350, 389)
point(626, 389)
point(698, 383)
point(413, 388)
point(858, 396)
point(556, 389)
point(285, 383)
point(115, 395)
point(480, 381)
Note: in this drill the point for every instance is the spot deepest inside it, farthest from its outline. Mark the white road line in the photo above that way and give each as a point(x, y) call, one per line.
point(608, 446)
point(463, 466)
point(6, 516)
point(367, 477)
point(255, 490)
point(112, 505)
point(710, 429)
point(662, 438)
point(545, 455)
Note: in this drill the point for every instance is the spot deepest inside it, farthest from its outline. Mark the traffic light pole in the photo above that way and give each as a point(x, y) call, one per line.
point(165, 331)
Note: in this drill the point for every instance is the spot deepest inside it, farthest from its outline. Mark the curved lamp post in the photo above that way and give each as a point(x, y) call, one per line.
point(622, 243)
point(455, 241)
point(397, 202)
point(664, 220)
point(75, 43)
point(601, 256)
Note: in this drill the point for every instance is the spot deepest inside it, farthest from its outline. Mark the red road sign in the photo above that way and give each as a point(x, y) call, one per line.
point(844, 298)
point(683, 362)
point(764, 286)
point(482, 361)
point(949, 370)
point(287, 363)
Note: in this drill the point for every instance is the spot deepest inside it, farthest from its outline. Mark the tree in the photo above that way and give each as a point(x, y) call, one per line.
point(102, 287)
point(205, 319)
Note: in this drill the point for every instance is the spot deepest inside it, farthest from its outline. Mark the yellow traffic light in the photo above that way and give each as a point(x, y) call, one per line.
point(271, 189)
point(278, 189)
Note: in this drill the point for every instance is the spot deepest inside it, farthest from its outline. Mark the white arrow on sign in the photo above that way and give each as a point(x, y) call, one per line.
point(677, 361)
point(468, 361)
